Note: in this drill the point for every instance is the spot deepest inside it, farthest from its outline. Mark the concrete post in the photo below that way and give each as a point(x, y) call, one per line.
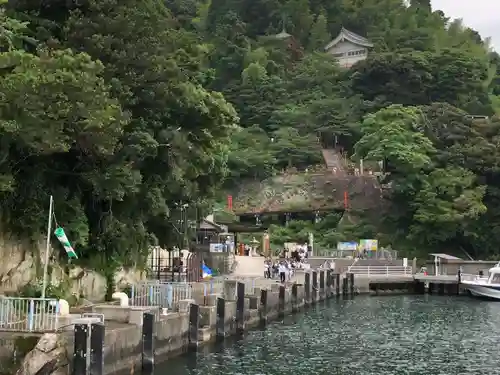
point(97, 333)
point(307, 288)
point(240, 307)
point(82, 333)
point(148, 349)
point(263, 307)
point(194, 325)
point(220, 329)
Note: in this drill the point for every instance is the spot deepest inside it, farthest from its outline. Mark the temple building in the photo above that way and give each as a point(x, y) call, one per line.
point(348, 48)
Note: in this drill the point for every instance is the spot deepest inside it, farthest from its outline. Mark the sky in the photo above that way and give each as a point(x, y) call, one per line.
point(480, 15)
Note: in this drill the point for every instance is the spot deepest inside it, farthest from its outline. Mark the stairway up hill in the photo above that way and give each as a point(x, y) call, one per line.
point(334, 160)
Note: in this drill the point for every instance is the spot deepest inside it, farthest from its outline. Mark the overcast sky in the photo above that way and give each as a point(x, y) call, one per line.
point(480, 15)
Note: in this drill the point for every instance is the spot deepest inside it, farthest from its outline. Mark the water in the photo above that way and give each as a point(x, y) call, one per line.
point(414, 335)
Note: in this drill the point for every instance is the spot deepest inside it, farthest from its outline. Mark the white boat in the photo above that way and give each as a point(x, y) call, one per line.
point(485, 287)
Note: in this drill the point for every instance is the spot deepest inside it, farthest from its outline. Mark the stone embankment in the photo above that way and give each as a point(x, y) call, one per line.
point(193, 322)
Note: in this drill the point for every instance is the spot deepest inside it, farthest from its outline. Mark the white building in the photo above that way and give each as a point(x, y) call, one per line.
point(348, 48)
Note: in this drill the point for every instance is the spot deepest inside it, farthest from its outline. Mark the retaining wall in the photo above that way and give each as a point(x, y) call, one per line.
point(123, 345)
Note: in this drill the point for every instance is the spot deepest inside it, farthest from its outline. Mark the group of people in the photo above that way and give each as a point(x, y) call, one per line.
point(284, 269)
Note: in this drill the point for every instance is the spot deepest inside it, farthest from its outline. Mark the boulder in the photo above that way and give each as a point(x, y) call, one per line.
point(49, 357)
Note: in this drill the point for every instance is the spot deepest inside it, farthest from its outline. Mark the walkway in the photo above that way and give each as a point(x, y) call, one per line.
point(334, 160)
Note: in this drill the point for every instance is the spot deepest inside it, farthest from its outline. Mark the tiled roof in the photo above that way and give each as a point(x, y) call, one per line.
point(351, 37)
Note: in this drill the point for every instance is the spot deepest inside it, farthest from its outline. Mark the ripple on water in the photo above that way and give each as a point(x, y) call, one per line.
point(364, 336)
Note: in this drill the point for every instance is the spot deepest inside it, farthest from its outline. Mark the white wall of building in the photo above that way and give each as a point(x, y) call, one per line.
point(347, 53)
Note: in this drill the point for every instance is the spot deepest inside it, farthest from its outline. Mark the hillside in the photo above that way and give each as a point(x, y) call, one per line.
point(140, 115)
point(320, 191)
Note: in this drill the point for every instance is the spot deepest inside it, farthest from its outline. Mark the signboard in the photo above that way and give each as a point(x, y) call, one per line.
point(216, 247)
point(371, 245)
point(347, 246)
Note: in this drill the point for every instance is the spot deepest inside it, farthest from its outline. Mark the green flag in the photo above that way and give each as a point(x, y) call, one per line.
point(61, 236)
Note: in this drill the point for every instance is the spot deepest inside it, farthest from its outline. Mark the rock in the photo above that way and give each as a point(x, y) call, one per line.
point(49, 357)
point(21, 259)
point(47, 343)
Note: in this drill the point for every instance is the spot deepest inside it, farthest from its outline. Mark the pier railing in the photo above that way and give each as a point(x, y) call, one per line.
point(157, 293)
point(381, 270)
point(29, 314)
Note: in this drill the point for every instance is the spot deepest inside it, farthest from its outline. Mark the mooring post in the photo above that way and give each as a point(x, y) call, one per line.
point(82, 333)
point(307, 288)
point(345, 286)
point(240, 307)
point(322, 284)
point(220, 328)
point(351, 283)
point(194, 325)
point(314, 286)
point(337, 284)
point(281, 297)
point(148, 344)
point(263, 307)
point(97, 333)
point(295, 297)
point(328, 283)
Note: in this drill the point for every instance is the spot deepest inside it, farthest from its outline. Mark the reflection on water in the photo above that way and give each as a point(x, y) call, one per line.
point(413, 335)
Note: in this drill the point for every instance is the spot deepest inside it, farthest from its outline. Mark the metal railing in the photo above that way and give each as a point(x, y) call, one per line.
point(157, 293)
point(29, 314)
point(213, 286)
point(381, 270)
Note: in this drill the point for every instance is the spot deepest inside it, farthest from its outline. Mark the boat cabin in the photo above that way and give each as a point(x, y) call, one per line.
point(494, 275)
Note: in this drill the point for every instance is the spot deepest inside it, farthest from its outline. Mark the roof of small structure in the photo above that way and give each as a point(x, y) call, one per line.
point(349, 36)
point(283, 35)
point(445, 256)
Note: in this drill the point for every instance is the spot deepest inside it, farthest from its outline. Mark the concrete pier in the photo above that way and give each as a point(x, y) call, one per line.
point(234, 307)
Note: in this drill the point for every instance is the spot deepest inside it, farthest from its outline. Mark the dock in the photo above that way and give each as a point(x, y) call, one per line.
point(416, 284)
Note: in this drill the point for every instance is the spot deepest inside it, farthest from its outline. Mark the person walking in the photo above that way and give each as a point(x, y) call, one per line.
point(282, 271)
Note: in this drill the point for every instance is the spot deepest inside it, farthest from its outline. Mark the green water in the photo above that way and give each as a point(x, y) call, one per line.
point(422, 335)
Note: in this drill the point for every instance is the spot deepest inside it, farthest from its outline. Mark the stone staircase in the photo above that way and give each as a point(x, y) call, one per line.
point(333, 159)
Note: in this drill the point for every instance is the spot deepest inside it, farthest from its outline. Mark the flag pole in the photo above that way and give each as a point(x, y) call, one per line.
point(47, 249)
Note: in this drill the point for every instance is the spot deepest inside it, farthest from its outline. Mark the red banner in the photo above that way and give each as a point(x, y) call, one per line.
point(230, 202)
point(346, 200)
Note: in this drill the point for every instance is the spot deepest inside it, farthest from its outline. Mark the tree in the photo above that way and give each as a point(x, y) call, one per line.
point(319, 35)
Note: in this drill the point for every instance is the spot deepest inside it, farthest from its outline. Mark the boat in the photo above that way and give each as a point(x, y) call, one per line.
point(484, 286)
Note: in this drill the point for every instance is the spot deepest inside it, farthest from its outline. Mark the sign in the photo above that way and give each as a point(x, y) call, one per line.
point(405, 262)
point(230, 202)
point(371, 245)
point(217, 248)
point(347, 246)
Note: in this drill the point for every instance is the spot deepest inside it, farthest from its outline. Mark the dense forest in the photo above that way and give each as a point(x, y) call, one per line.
point(136, 115)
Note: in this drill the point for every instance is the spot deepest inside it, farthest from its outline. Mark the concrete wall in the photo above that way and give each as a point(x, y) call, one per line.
point(123, 341)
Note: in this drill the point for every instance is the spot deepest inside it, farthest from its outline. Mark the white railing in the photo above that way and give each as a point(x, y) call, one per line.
point(380, 270)
point(162, 294)
point(29, 314)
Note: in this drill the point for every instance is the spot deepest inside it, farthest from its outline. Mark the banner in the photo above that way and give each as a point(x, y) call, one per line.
point(368, 245)
point(230, 202)
point(61, 236)
point(347, 245)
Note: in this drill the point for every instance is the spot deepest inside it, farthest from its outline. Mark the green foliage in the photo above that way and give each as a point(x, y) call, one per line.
point(125, 111)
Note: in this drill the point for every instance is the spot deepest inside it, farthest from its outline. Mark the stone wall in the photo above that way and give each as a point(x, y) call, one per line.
point(22, 263)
